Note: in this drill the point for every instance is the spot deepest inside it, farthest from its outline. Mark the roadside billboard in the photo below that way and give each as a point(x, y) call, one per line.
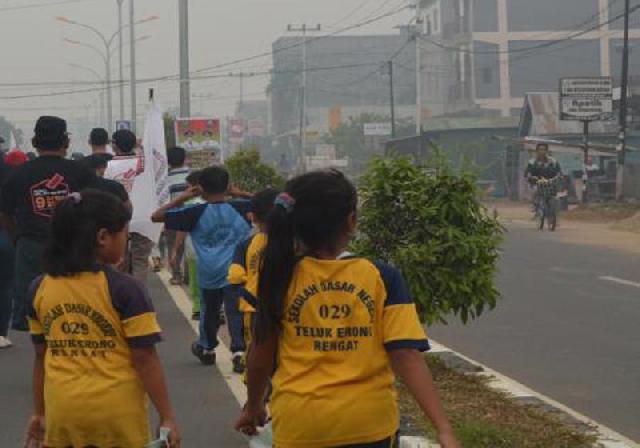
point(196, 134)
point(586, 99)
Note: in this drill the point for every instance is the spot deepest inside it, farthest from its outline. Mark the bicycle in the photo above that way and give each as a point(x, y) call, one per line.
point(545, 204)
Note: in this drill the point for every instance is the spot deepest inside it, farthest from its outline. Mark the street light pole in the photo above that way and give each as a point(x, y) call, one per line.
point(185, 87)
point(418, 37)
point(624, 84)
point(132, 62)
point(120, 60)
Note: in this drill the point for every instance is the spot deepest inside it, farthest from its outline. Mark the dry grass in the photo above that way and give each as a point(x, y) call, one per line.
point(485, 418)
point(602, 213)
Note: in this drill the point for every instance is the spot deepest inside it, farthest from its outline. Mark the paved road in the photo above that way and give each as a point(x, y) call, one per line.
point(563, 330)
point(203, 402)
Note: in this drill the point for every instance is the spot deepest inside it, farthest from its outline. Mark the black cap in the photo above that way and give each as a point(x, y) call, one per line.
point(125, 140)
point(50, 134)
point(98, 137)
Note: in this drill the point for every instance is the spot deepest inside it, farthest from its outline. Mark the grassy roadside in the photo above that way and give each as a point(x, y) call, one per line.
point(485, 418)
point(608, 212)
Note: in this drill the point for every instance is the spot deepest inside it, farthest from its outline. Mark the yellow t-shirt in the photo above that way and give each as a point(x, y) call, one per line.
point(90, 322)
point(243, 273)
point(333, 383)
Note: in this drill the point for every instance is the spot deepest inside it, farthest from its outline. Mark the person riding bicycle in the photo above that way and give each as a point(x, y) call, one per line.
point(542, 167)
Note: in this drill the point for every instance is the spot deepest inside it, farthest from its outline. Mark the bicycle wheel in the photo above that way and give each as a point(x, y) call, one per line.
point(552, 216)
point(541, 215)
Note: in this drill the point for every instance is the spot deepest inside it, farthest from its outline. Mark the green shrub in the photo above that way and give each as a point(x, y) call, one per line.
point(428, 221)
point(249, 173)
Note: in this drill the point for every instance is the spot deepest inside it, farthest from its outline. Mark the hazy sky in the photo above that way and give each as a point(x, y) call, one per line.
point(32, 47)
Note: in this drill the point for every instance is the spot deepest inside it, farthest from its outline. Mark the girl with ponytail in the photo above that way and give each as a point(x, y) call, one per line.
point(332, 329)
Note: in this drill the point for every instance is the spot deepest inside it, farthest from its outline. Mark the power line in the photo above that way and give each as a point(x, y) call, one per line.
point(42, 5)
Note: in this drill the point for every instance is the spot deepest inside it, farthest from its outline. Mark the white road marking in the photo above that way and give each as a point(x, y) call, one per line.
point(620, 281)
point(223, 355)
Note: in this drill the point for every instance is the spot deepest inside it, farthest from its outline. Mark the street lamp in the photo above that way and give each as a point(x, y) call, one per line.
point(107, 44)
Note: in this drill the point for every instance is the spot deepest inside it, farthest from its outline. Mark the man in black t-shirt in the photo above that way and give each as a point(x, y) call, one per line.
point(28, 200)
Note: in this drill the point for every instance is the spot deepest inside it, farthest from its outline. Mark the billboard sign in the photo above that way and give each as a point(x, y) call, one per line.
point(377, 129)
point(586, 99)
point(196, 134)
point(123, 125)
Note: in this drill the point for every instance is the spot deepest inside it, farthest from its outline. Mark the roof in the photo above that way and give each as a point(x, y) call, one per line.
point(456, 123)
point(540, 116)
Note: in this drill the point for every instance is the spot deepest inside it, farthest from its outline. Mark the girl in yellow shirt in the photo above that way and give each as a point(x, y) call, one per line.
point(332, 329)
point(94, 331)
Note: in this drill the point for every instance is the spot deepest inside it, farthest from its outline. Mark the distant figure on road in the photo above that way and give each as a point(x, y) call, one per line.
point(29, 198)
point(97, 163)
point(332, 329)
point(177, 178)
point(543, 166)
point(94, 331)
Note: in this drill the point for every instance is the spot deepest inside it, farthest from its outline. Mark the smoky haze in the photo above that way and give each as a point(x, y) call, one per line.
point(33, 50)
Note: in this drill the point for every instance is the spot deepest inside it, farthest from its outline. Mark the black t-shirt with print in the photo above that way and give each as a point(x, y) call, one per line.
point(32, 191)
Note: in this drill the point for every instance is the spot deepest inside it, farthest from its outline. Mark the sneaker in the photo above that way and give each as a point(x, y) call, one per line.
point(206, 357)
point(238, 363)
point(195, 316)
point(5, 342)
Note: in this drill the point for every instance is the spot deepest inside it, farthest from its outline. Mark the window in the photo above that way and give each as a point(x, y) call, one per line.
point(487, 75)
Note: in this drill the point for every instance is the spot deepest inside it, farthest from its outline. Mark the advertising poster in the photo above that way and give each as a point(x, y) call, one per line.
point(197, 134)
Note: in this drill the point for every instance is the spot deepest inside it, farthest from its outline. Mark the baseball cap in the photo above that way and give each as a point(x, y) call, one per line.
point(125, 140)
point(50, 133)
point(98, 137)
point(16, 158)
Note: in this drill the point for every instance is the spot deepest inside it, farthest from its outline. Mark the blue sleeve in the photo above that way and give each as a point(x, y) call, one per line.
point(243, 207)
point(395, 284)
point(184, 219)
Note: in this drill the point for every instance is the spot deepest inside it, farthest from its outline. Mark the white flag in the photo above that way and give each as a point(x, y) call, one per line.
point(145, 176)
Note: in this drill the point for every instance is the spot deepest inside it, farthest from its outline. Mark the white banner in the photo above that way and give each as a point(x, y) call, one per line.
point(145, 176)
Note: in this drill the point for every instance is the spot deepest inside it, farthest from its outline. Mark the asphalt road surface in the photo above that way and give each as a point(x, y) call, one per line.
point(203, 403)
point(568, 326)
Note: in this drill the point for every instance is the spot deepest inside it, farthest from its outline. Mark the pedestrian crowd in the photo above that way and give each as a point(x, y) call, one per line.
point(319, 333)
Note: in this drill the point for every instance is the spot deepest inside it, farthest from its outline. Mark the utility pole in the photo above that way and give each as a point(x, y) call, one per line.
point(624, 85)
point(392, 100)
point(121, 61)
point(132, 62)
point(418, 37)
point(183, 25)
point(304, 29)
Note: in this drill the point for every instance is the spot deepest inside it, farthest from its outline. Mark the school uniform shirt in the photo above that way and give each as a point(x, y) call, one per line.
point(215, 229)
point(333, 384)
point(243, 273)
point(33, 190)
point(89, 323)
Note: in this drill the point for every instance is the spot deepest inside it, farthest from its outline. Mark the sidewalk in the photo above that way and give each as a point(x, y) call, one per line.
point(204, 405)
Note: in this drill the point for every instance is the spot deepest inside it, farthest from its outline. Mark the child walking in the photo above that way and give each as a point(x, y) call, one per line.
point(243, 273)
point(94, 331)
point(216, 227)
point(334, 328)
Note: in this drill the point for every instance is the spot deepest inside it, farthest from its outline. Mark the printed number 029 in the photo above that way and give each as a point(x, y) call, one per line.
point(335, 311)
point(75, 328)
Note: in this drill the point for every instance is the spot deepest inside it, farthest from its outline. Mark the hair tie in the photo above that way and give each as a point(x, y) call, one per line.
point(76, 198)
point(286, 201)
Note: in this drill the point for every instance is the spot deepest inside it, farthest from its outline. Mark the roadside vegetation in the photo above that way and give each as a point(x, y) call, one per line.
point(485, 418)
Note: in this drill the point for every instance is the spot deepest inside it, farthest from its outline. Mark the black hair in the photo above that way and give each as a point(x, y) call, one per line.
point(214, 180)
point(324, 200)
point(544, 146)
point(72, 248)
point(176, 156)
point(262, 203)
point(193, 178)
point(98, 137)
point(94, 162)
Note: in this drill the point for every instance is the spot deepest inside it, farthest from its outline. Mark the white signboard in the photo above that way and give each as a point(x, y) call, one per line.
point(586, 99)
point(377, 129)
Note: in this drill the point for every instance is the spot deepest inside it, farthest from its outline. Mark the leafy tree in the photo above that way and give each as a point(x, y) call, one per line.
point(427, 220)
point(248, 172)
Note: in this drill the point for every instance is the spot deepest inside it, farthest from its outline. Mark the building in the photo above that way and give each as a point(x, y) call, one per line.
point(480, 57)
point(346, 76)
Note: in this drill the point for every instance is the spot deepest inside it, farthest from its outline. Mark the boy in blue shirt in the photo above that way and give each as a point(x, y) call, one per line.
point(216, 227)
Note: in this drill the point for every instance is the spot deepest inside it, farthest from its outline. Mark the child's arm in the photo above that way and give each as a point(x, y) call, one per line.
point(35, 427)
point(259, 370)
point(160, 214)
point(410, 365)
point(149, 369)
